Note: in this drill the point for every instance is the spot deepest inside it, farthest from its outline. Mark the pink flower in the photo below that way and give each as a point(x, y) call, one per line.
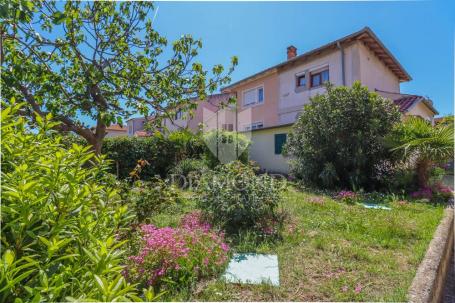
point(224, 247)
point(344, 288)
point(193, 221)
point(358, 288)
point(165, 253)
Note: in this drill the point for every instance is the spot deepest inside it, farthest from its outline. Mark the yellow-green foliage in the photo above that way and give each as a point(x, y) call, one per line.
point(59, 219)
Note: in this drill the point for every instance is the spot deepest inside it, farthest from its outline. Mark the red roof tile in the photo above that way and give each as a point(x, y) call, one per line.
point(141, 133)
point(405, 102)
point(116, 127)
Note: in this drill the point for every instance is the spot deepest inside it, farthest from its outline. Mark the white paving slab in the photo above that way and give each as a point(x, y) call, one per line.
point(253, 269)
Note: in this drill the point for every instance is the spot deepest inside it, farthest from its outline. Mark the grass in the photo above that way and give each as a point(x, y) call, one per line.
point(332, 252)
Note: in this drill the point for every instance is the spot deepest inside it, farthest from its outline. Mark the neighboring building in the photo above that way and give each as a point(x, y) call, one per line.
point(206, 116)
point(274, 97)
point(115, 130)
point(134, 125)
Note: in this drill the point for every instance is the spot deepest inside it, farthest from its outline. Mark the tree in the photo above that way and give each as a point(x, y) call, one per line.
point(417, 141)
point(99, 60)
point(338, 138)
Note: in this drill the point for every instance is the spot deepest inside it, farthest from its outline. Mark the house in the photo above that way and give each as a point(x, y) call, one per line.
point(270, 101)
point(276, 95)
point(115, 130)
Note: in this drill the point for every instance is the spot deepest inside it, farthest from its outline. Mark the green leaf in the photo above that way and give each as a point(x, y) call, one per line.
point(8, 257)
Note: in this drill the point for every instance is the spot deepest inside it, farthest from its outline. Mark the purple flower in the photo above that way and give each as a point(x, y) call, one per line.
point(423, 193)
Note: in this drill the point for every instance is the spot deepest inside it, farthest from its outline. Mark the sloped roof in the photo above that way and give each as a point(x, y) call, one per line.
point(141, 133)
point(407, 101)
point(404, 103)
point(365, 36)
point(116, 127)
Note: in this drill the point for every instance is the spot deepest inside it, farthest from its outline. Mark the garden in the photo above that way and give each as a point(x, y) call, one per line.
point(90, 218)
point(77, 226)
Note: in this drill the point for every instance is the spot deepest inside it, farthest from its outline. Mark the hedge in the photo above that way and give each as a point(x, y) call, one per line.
point(161, 153)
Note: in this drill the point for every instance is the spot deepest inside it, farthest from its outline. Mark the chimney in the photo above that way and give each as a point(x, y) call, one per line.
point(292, 51)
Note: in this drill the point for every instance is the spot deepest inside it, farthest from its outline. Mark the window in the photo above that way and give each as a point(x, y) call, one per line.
point(280, 140)
point(260, 95)
point(301, 81)
point(253, 96)
point(178, 115)
point(229, 127)
point(319, 78)
point(255, 125)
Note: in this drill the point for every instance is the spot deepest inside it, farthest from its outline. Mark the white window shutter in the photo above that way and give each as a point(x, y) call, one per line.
point(249, 97)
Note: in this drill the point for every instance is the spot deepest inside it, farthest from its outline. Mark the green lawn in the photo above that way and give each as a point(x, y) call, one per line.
point(328, 250)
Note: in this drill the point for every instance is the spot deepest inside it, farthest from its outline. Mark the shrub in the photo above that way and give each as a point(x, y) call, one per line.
point(337, 140)
point(400, 178)
point(170, 258)
point(59, 219)
point(149, 198)
point(186, 144)
point(436, 175)
point(236, 199)
point(188, 170)
point(162, 153)
point(224, 146)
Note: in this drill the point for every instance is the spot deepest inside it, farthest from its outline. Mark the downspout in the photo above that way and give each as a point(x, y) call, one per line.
point(343, 80)
point(236, 128)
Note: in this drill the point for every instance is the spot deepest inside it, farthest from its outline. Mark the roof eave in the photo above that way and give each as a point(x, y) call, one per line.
point(348, 38)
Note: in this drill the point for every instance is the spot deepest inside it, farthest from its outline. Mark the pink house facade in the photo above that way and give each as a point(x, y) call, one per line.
point(274, 97)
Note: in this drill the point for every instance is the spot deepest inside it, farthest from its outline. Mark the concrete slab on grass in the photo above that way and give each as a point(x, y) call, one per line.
point(375, 206)
point(253, 269)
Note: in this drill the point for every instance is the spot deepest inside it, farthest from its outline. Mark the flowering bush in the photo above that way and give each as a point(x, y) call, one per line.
point(167, 256)
point(422, 193)
point(346, 196)
point(437, 193)
point(442, 192)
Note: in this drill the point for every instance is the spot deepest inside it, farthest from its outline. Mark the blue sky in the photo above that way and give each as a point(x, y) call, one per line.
point(419, 33)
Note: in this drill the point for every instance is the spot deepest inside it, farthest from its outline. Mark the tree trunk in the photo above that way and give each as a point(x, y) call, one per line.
point(423, 167)
point(97, 146)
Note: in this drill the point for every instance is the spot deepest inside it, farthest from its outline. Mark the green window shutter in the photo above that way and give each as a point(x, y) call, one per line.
point(280, 139)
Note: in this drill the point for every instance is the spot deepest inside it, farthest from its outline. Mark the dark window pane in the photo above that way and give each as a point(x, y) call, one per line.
point(325, 76)
point(260, 95)
point(280, 140)
point(315, 80)
point(302, 81)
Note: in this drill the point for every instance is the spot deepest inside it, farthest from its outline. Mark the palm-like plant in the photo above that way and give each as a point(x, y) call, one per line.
point(416, 140)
